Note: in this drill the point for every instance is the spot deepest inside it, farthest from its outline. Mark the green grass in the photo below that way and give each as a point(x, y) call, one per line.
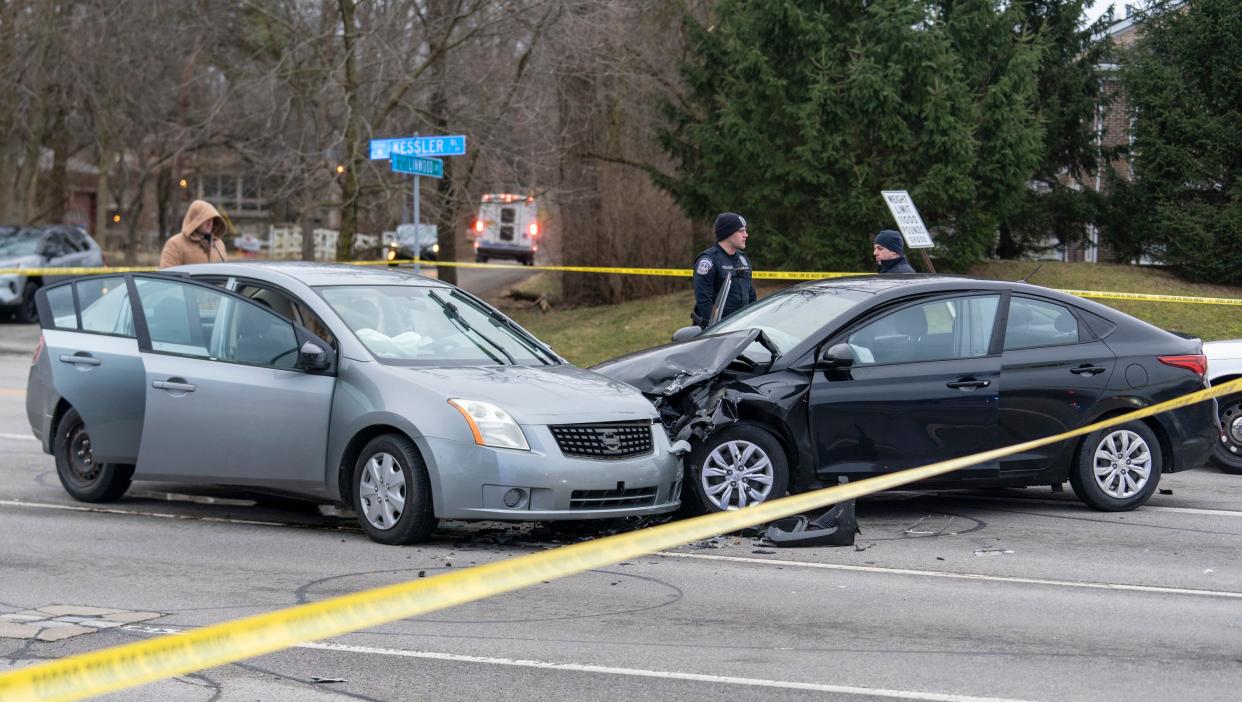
point(588, 335)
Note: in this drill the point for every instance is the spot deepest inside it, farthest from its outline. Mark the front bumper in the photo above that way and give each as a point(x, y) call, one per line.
point(471, 481)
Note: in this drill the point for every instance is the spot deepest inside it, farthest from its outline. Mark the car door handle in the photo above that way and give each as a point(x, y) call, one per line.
point(1086, 369)
point(83, 360)
point(173, 386)
point(968, 384)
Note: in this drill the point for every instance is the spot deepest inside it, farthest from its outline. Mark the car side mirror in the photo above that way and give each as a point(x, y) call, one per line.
point(686, 333)
point(313, 357)
point(837, 356)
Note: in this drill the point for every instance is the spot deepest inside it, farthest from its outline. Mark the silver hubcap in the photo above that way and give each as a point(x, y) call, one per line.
point(382, 491)
point(1122, 464)
point(736, 474)
point(1231, 417)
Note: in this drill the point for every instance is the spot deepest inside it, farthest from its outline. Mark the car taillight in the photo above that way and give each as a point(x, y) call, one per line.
point(478, 225)
point(534, 229)
point(1195, 362)
point(38, 351)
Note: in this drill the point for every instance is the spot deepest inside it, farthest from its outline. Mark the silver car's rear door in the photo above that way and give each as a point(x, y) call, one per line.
point(226, 402)
point(93, 360)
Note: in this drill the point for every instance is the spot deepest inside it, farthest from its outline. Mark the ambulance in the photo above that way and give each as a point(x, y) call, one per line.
point(508, 226)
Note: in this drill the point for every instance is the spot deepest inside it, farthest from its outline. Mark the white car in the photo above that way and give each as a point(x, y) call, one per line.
point(1224, 364)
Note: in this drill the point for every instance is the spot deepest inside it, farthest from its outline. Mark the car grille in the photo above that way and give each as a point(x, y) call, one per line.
point(605, 499)
point(618, 440)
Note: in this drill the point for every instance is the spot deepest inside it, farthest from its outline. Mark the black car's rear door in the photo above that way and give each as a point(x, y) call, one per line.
point(1053, 374)
point(923, 388)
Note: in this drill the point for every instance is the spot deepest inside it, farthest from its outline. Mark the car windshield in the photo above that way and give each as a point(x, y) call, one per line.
point(19, 242)
point(789, 318)
point(425, 326)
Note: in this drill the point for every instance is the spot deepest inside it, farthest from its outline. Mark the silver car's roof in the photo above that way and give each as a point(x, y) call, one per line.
point(312, 273)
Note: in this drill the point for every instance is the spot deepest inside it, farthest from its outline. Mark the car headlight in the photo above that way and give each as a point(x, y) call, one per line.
point(435, 248)
point(491, 425)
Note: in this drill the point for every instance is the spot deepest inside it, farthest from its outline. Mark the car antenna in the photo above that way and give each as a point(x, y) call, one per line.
point(1032, 273)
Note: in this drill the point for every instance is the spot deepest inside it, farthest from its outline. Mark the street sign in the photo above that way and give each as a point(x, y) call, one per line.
point(908, 219)
point(454, 145)
point(430, 167)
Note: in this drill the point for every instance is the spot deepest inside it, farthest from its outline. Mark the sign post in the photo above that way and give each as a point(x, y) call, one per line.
point(410, 155)
point(910, 223)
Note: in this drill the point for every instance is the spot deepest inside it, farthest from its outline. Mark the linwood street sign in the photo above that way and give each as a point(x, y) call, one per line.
point(449, 145)
point(416, 165)
point(908, 219)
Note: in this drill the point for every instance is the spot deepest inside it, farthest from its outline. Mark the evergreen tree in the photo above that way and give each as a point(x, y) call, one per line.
point(1183, 80)
point(799, 112)
point(1062, 200)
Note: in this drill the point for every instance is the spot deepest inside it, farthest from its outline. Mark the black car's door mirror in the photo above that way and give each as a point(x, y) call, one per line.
point(314, 354)
point(837, 356)
point(686, 333)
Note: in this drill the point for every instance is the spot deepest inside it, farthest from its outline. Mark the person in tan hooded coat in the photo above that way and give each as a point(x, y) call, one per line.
point(199, 240)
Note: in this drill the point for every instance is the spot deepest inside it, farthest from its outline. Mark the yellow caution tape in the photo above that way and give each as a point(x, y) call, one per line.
point(669, 272)
point(110, 669)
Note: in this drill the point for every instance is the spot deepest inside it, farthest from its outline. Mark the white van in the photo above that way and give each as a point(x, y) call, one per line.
point(507, 226)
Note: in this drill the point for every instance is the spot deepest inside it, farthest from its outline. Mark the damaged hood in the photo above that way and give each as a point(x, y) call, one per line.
point(667, 370)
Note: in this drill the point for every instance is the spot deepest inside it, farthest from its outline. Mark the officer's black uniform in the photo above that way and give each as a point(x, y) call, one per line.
point(710, 270)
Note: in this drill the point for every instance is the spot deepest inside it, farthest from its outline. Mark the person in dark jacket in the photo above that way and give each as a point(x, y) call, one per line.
point(721, 265)
point(890, 252)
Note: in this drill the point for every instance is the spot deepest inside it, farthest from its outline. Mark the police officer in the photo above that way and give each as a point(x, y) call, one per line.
point(889, 252)
point(723, 262)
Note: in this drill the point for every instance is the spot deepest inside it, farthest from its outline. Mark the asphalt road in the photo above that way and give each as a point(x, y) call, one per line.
point(1008, 595)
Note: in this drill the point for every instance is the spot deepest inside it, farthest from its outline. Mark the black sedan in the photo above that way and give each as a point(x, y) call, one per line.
point(852, 377)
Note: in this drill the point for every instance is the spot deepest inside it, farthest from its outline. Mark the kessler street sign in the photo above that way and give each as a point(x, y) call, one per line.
point(452, 145)
point(430, 167)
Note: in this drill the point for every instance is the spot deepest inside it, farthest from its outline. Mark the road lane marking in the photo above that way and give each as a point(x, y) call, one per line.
point(1125, 587)
point(1072, 503)
point(166, 515)
point(627, 672)
point(29, 437)
point(1122, 587)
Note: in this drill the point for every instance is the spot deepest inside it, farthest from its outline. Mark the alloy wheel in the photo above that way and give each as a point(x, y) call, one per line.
point(737, 474)
point(1122, 464)
point(382, 490)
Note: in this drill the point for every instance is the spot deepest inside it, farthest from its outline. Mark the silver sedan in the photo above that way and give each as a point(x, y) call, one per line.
point(407, 399)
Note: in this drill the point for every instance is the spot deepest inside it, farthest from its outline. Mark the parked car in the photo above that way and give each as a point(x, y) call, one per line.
point(1225, 364)
point(853, 377)
point(409, 243)
point(406, 398)
point(54, 246)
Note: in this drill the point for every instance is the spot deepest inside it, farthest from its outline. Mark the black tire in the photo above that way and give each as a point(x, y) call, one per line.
point(28, 313)
point(480, 259)
point(415, 520)
point(1119, 474)
point(1228, 451)
point(695, 495)
point(82, 478)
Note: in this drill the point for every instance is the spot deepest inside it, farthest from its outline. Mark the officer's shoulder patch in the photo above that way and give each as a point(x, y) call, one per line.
point(703, 266)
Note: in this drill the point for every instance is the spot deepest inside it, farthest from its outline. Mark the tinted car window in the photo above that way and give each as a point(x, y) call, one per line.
point(938, 330)
point(105, 306)
point(64, 314)
point(78, 240)
point(56, 246)
point(1034, 323)
point(205, 323)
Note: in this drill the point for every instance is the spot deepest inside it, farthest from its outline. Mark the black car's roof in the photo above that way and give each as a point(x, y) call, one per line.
point(906, 284)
